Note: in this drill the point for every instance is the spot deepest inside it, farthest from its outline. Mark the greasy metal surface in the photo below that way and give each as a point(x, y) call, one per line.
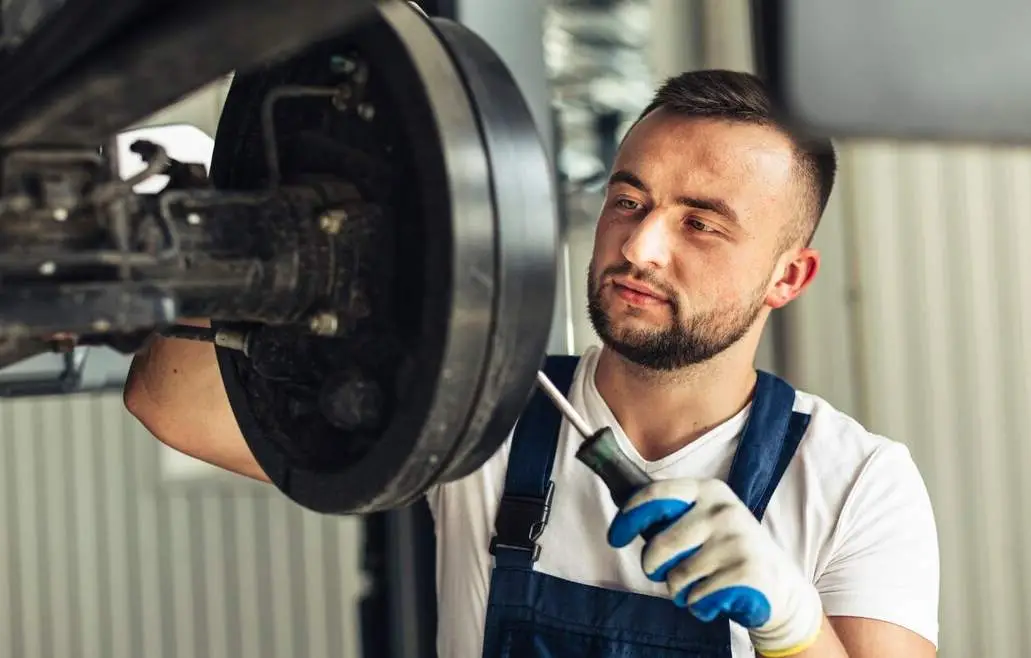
point(173, 49)
point(276, 391)
point(99, 262)
point(464, 269)
point(18, 18)
point(304, 453)
point(48, 37)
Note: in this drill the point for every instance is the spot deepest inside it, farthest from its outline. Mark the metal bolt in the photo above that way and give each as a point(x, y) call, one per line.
point(341, 64)
point(324, 323)
point(60, 214)
point(193, 219)
point(366, 111)
point(101, 325)
point(47, 268)
point(331, 221)
point(234, 340)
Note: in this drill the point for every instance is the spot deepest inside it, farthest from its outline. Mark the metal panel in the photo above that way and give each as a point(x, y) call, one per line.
point(100, 558)
point(919, 325)
point(940, 235)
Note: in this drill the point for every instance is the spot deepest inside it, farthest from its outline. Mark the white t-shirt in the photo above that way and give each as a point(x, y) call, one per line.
point(851, 508)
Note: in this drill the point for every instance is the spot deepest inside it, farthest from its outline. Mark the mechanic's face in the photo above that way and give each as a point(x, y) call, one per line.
point(689, 251)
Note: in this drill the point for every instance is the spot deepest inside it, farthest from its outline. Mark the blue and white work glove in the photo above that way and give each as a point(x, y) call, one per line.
point(715, 558)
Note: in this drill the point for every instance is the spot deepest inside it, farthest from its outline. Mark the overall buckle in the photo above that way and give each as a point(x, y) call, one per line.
point(520, 522)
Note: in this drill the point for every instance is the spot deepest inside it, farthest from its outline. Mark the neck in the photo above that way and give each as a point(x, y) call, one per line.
point(661, 412)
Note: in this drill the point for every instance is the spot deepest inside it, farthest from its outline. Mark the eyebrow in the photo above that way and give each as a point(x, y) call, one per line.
point(718, 206)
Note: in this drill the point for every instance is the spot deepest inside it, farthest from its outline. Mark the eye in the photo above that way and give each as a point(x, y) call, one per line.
point(627, 204)
point(696, 224)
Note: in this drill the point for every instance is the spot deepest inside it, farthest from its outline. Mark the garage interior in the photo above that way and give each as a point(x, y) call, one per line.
point(919, 326)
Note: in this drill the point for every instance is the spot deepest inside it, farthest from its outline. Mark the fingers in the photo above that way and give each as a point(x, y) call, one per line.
point(655, 506)
point(703, 551)
point(661, 503)
point(714, 556)
point(733, 590)
point(628, 525)
point(677, 543)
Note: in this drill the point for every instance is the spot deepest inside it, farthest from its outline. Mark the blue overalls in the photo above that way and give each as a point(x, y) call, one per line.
point(534, 615)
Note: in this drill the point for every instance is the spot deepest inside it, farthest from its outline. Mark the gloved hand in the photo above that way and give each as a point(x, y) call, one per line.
point(715, 557)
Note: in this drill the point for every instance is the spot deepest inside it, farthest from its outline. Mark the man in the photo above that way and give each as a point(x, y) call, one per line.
point(777, 524)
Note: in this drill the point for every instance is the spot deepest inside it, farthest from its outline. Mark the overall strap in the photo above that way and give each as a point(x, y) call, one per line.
point(526, 501)
point(768, 443)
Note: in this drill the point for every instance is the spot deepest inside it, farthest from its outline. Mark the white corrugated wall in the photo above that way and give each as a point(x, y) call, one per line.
point(920, 326)
point(935, 240)
point(101, 558)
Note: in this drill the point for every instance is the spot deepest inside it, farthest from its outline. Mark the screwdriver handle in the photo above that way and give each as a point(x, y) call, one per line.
point(601, 453)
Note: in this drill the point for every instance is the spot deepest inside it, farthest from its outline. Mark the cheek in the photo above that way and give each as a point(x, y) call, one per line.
point(609, 237)
point(711, 278)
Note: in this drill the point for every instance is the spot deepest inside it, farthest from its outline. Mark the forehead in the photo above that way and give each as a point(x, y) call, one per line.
point(744, 164)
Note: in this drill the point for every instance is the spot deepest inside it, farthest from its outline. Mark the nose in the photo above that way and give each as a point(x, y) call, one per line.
point(648, 247)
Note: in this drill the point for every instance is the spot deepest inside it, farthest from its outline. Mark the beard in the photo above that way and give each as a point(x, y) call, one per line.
point(685, 342)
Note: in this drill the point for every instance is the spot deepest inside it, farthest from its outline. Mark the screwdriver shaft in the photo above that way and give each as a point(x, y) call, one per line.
point(564, 405)
point(601, 453)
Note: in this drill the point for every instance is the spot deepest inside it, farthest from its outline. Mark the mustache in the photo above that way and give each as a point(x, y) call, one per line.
point(627, 268)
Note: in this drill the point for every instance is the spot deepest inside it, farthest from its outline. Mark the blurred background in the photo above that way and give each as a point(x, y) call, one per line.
point(918, 325)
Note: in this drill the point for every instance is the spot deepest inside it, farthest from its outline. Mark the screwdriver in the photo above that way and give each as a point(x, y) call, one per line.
point(601, 453)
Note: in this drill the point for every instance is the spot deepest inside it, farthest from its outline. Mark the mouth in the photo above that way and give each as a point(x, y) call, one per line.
point(638, 294)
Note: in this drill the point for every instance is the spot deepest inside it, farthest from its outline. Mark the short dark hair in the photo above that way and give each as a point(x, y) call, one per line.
point(738, 96)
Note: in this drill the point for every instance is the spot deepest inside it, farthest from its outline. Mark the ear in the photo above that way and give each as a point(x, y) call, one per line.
point(795, 272)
